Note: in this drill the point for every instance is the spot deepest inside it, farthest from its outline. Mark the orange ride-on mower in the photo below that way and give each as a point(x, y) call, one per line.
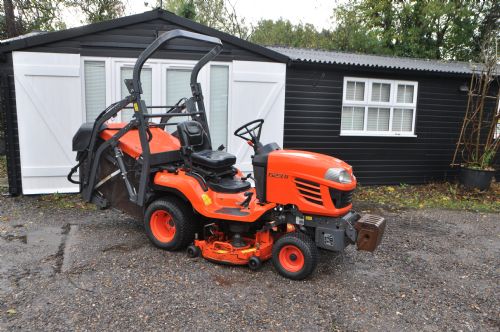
point(190, 195)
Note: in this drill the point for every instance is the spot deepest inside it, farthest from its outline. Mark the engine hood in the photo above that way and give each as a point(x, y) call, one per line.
point(304, 164)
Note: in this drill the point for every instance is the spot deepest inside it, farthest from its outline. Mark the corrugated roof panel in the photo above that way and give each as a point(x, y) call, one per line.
point(356, 59)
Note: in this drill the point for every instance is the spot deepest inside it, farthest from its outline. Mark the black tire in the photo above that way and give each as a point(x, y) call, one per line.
point(254, 263)
point(302, 246)
point(193, 251)
point(181, 218)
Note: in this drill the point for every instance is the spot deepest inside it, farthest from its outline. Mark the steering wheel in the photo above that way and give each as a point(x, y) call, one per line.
point(250, 132)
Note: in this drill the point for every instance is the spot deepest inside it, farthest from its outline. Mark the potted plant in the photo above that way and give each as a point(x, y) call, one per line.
point(478, 143)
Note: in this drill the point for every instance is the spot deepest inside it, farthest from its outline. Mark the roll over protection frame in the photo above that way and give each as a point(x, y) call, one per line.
point(140, 115)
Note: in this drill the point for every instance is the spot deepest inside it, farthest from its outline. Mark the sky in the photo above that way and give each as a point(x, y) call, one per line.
point(317, 12)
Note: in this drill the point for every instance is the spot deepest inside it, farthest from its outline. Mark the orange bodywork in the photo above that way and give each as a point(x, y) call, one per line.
point(213, 204)
point(131, 144)
point(219, 249)
point(286, 172)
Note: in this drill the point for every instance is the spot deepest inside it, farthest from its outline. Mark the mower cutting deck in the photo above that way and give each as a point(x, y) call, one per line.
point(190, 195)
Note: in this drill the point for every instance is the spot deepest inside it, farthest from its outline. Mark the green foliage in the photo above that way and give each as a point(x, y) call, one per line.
point(488, 157)
point(98, 10)
point(283, 32)
point(188, 10)
point(3, 167)
point(217, 14)
point(64, 201)
point(38, 15)
point(47, 15)
point(451, 29)
point(432, 29)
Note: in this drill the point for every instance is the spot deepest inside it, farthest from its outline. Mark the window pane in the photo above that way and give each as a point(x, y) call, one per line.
point(219, 89)
point(353, 118)
point(402, 119)
point(355, 91)
point(378, 119)
point(347, 118)
point(405, 94)
point(381, 92)
point(95, 88)
point(147, 94)
point(178, 86)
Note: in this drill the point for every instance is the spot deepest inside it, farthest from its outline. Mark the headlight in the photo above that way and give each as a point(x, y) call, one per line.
point(339, 175)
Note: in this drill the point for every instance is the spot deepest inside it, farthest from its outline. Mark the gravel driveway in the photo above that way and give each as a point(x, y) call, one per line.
point(65, 267)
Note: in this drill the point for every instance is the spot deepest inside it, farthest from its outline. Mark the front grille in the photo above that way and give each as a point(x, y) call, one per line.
point(309, 190)
point(341, 199)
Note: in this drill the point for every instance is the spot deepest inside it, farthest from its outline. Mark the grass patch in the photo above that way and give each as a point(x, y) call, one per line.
point(65, 201)
point(435, 195)
point(3, 167)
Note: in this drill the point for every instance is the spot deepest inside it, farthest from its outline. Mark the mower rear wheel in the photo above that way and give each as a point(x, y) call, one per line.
point(169, 224)
point(295, 256)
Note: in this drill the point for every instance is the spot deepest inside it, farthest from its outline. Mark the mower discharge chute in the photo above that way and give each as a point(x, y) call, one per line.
point(190, 195)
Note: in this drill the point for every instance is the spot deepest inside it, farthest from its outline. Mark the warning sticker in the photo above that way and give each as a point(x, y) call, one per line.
point(206, 199)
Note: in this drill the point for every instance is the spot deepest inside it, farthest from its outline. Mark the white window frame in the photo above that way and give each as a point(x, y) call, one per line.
point(207, 89)
point(107, 70)
point(159, 69)
point(391, 105)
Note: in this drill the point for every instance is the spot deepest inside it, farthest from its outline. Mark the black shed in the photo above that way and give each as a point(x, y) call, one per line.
point(395, 120)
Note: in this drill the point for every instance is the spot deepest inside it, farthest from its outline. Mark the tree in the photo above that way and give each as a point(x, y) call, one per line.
point(217, 14)
point(98, 10)
point(9, 19)
point(42, 15)
point(451, 29)
point(22, 16)
point(283, 32)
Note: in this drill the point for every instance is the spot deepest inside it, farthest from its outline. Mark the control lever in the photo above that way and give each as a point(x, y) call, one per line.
point(249, 176)
point(247, 200)
point(221, 147)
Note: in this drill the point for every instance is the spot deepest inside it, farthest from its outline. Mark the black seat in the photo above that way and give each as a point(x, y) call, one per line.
point(213, 159)
point(196, 146)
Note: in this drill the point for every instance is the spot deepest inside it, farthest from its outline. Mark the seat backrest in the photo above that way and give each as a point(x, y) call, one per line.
point(192, 135)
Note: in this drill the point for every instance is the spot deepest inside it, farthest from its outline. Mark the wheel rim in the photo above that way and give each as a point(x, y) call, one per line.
point(291, 258)
point(162, 226)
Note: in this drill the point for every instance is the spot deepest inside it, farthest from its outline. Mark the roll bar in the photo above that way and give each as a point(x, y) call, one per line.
point(141, 116)
point(164, 38)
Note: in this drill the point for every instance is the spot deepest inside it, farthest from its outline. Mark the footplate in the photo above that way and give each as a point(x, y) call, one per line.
point(370, 231)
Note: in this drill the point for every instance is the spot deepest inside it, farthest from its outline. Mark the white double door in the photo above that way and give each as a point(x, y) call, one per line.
point(50, 103)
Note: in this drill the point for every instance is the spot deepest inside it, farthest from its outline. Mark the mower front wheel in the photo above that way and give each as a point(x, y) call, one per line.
point(193, 251)
point(254, 263)
point(169, 224)
point(295, 256)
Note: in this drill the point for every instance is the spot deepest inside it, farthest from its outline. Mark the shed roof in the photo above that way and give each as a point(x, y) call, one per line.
point(375, 61)
point(36, 39)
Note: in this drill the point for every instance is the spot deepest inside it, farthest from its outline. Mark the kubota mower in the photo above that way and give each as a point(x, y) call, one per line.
point(190, 195)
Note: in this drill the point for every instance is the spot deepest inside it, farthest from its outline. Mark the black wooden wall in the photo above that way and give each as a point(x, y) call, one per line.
point(312, 122)
point(8, 108)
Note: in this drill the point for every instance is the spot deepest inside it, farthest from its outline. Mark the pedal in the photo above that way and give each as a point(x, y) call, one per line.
point(247, 200)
